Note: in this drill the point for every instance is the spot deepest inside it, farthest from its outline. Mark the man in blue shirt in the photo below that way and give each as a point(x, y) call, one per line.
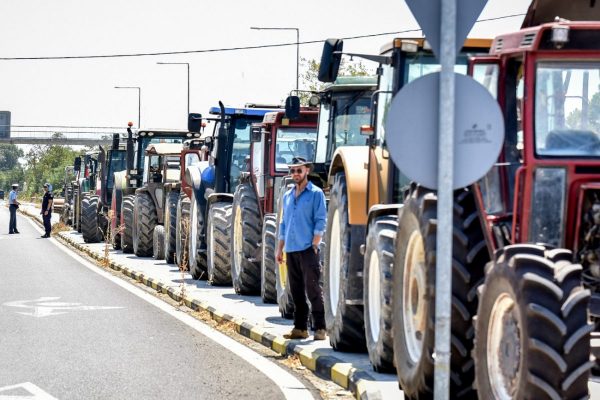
point(13, 204)
point(300, 232)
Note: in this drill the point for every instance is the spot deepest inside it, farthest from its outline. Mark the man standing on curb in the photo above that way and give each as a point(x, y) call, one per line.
point(13, 204)
point(47, 210)
point(300, 232)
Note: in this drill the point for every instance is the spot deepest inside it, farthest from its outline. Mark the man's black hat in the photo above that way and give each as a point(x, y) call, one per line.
point(299, 161)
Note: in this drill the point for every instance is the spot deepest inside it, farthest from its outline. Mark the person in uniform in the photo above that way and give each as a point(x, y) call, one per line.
point(47, 209)
point(13, 204)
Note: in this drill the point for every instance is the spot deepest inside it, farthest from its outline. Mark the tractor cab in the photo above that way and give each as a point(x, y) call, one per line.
point(274, 143)
point(545, 188)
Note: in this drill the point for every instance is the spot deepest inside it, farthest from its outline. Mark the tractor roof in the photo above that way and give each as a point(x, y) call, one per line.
point(349, 83)
point(249, 111)
point(581, 36)
point(162, 133)
point(164, 148)
point(307, 116)
point(470, 45)
point(543, 11)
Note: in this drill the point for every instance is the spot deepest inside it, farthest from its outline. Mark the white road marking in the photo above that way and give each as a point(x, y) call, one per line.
point(291, 387)
point(35, 393)
point(45, 306)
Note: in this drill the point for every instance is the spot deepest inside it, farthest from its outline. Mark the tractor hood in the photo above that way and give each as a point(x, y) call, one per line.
point(543, 11)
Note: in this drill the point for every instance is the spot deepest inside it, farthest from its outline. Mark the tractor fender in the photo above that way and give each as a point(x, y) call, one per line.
point(353, 161)
point(380, 210)
point(215, 197)
point(199, 177)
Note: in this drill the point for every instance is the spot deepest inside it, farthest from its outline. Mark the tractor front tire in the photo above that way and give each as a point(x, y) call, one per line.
point(245, 239)
point(377, 291)
point(170, 226)
point(145, 219)
point(268, 291)
point(218, 244)
point(197, 262)
point(127, 224)
point(90, 228)
point(182, 233)
point(532, 335)
point(158, 242)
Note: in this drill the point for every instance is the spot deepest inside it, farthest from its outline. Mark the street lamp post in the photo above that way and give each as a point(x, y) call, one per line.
point(188, 81)
point(259, 28)
point(139, 100)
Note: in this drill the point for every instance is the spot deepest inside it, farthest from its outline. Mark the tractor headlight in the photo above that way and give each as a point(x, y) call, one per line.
point(548, 206)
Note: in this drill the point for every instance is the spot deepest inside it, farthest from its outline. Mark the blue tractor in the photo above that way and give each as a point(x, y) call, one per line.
point(214, 182)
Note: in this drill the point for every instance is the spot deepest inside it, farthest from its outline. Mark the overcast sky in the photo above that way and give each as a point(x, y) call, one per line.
point(81, 92)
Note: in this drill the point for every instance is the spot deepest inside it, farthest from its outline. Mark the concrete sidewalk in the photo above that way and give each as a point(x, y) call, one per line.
point(251, 318)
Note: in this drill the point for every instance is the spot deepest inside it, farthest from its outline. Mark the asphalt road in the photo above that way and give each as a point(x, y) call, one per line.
point(74, 334)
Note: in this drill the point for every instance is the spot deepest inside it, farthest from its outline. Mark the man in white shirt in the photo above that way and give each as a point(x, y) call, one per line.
point(13, 204)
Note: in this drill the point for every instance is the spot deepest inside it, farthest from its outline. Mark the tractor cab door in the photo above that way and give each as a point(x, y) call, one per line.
point(495, 191)
point(257, 158)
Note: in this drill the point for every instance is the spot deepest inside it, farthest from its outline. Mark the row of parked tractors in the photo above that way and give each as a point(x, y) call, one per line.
point(525, 268)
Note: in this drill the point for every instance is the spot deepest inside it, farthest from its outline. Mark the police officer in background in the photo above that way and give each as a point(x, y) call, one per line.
point(13, 204)
point(300, 232)
point(47, 209)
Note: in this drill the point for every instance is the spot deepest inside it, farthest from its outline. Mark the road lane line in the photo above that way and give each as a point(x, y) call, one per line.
point(291, 387)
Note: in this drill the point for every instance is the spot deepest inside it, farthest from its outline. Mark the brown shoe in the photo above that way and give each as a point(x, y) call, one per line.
point(320, 334)
point(296, 334)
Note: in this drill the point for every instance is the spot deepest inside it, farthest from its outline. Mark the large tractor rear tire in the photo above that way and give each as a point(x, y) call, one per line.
point(532, 335)
point(345, 323)
point(268, 291)
point(182, 232)
point(127, 223)
point(145, 219)
point(414, 292)
point(245, 239)
point(197, 262)
point(90, 227)
point(218, 238)
point(377, 291)
point(170, 226)
point(158, 242)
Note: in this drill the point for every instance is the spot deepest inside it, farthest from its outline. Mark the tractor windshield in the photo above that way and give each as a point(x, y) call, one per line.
point(567, 109)
point(294, 142)
point(350, 113)
point(241, 148)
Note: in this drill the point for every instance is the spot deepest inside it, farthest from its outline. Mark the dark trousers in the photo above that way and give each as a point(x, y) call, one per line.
point(304, 275)
point(47, 224)
point(12, 225)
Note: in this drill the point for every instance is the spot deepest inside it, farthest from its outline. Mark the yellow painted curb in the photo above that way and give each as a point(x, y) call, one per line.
point(340, 374)
point(361, 388)
point(308, 359)
point(280, 345)
point(256, 334)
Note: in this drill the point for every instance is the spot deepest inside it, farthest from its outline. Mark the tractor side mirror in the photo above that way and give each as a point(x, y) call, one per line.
point(292, 107)
point(255, 133)
point(77, 164)
point(330, 60)
point(194, 122)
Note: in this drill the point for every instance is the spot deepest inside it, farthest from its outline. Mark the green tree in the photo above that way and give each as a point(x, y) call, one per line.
point(46, 163)
point(310, 79)
point(9, 156)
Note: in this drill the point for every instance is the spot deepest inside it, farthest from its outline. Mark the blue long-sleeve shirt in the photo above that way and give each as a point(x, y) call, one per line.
point(304, 217)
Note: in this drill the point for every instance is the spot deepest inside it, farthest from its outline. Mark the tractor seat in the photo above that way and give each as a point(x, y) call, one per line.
point(572, 139)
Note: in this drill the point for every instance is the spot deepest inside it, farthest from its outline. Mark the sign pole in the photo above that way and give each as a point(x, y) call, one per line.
point(443, 274)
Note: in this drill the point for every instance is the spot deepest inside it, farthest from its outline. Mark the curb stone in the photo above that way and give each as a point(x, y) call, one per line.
point(325, 366)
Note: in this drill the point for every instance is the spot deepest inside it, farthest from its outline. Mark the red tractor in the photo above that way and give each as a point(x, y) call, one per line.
point(274, 143)
point(178, 208)
point(539, 210)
